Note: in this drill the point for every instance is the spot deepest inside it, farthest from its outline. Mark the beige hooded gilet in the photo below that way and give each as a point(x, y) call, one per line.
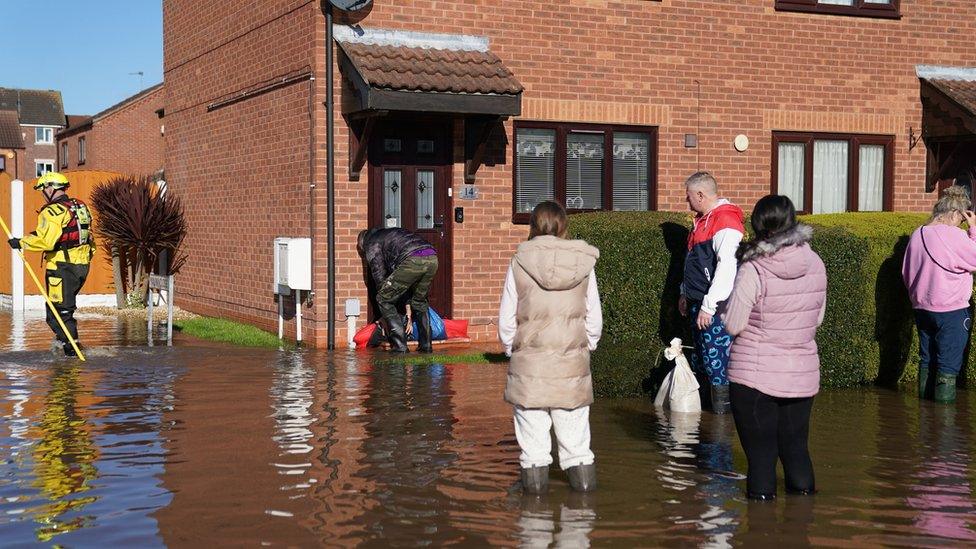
point(550, 366)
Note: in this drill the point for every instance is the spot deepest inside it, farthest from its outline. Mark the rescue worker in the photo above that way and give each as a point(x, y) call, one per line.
point(401, 262)
point(64, 235)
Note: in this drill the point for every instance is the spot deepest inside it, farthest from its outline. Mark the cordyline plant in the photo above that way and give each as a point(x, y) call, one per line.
point(139, 221)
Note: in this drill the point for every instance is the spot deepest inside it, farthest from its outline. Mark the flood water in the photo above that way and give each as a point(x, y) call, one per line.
point(197, 445)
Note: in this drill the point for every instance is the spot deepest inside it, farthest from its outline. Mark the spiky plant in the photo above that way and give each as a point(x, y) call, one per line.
point(137, 220)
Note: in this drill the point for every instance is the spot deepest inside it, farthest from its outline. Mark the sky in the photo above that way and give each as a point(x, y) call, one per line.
point(86, 49)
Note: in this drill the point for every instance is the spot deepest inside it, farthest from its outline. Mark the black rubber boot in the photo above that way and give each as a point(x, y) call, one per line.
point(796, 492)
point(424, 337)
point(761, 497)
point(69, 351)
point(535, 480)
point(923, 383)
point(582, 477)
point(720, 399)
point(396, 334)
point(945, 388)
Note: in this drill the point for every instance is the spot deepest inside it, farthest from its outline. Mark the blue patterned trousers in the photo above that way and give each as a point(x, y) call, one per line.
point(711, 356)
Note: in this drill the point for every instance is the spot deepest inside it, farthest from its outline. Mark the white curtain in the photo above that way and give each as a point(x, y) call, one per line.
point(536, 151)
point(792, 172)
point(830, 176)
point(630, 152)
point(837, 2)
point(870, 187)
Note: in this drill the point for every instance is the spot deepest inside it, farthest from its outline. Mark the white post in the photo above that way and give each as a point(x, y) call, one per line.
point(17, 228)
point(169, 313)
point(149, 316)
point(281, 316)
point(352, 314)
point(298, 314)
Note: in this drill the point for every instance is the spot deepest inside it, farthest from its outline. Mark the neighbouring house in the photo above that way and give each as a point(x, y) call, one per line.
point(126, 137)
point(12, 148)
point(455, 118)
point(41, 115)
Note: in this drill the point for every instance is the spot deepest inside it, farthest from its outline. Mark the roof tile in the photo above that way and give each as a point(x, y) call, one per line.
point(960, 91)
point(10, 133)
point(41, 107)
point(420, 69)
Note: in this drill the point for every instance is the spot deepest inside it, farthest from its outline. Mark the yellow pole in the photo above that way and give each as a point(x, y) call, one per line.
point(40, 287)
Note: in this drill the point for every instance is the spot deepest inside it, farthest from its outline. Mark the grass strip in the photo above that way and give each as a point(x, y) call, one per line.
point(227, 331)
point(415, 359)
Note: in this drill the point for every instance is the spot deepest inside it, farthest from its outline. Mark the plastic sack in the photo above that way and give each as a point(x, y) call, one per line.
point(456, 329)
point(437, 331)
point(362, 337)
point(679, 392)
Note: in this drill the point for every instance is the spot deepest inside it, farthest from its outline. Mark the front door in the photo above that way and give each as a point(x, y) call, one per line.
point(410, 187)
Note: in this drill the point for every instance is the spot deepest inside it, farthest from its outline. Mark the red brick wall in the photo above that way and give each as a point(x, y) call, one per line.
point(127, 140)
point(631, 61)
point(242, 169)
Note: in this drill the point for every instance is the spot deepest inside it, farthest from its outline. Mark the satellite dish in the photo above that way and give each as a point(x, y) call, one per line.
point(348, 12)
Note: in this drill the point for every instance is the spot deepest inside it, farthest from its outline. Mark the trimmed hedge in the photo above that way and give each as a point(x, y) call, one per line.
point(868, 332)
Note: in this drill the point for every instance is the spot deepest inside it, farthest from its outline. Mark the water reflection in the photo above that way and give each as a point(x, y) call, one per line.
point(222, 446)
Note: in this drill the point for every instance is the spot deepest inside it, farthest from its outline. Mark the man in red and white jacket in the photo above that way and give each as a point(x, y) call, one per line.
point(709, 275)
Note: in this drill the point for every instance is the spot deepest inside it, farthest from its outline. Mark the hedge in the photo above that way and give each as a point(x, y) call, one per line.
point(867, 335)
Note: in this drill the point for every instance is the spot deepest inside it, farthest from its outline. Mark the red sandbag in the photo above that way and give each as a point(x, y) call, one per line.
point(362, 336)
point(456, 328)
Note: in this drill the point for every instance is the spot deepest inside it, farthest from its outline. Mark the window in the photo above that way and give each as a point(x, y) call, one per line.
point(830, 173)
point(64, 154)
point(864, 8)
point(41, 167)
point(82, 150)
point(586, 167)
point(3, 163)
point(43, 136)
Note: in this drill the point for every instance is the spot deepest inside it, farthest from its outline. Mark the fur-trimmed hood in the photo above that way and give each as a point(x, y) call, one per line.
point(786, 254)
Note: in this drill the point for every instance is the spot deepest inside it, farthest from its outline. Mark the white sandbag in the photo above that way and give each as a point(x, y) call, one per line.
point(679, 392)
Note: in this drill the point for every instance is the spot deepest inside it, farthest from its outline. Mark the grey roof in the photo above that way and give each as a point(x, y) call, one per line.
point(10, 133)
point(40, 107)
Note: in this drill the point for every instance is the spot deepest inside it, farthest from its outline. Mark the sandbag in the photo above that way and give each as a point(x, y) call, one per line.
point(362, 337)
point(456, 329)
point(679, 392)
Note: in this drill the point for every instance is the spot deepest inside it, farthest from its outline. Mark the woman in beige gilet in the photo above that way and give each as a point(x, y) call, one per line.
point(548, 322)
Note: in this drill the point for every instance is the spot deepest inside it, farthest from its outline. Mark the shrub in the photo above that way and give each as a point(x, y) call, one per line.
point(868, 332)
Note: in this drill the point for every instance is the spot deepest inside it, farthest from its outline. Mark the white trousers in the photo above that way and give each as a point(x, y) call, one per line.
point(572, 427)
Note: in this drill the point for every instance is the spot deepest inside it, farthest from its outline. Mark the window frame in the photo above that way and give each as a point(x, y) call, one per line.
point(82, 150)
point(859, 9)
point(854, 142)
point(63, 155)
point(3, 162)
point(47, 130)
point(40, 161)
point(562, 130)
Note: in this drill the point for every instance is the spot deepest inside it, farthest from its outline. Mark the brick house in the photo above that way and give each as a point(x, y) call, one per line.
point(40, 115)
point(11, 144)
point(491, 107)
point(125, 138)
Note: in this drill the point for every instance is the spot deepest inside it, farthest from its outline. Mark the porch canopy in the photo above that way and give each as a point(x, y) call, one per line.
point(948, 97)
point(387, 71)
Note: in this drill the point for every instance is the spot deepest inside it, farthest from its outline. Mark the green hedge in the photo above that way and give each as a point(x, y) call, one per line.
point(868, 332)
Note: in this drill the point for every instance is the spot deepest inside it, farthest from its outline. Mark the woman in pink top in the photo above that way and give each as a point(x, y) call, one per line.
point(937, 270)
point(774, 370)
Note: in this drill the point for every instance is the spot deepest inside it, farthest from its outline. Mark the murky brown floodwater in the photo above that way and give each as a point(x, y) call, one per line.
point(196, 446)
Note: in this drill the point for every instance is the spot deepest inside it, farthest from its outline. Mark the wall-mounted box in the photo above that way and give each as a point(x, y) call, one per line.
point(292, 264)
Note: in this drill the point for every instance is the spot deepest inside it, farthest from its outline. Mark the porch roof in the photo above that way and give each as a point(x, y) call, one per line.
point(405, 71)
point(957, 88)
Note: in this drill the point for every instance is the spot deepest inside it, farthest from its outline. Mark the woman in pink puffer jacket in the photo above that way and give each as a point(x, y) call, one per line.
point(776, 306)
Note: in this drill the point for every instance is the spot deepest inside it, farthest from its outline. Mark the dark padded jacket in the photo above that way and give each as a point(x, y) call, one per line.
point(386, 249)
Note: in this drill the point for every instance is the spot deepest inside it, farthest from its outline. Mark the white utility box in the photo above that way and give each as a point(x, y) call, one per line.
point(292, 264)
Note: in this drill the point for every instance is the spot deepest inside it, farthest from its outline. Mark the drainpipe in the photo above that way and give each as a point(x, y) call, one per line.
point(330, 162)
point(311, 189)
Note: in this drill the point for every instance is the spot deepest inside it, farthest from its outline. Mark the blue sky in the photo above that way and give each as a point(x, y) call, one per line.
point(86, 49)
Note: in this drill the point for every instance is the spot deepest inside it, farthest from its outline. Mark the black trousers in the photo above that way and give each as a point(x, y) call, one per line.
point(63, 285)
point(771, 428)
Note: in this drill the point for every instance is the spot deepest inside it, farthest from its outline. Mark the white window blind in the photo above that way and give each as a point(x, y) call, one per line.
point(870, 185)
point(536, 149)
point(630, 157)
point(584, 171)
point(792, 171)
point(830, 176)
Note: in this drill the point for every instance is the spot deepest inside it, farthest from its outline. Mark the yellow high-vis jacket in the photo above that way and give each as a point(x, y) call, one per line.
point(51, 221)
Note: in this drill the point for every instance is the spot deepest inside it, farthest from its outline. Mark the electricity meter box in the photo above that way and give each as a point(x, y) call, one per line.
point(292, 264)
